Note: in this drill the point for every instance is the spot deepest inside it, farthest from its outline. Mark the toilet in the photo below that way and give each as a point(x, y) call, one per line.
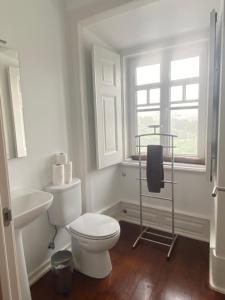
point(92, 234)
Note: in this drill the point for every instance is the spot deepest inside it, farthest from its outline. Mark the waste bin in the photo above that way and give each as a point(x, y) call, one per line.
point(61, 263)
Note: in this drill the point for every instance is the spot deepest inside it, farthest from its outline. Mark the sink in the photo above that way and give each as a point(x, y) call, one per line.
point(27, 205)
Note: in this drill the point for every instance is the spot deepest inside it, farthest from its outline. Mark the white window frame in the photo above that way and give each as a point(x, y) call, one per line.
point(164, 58)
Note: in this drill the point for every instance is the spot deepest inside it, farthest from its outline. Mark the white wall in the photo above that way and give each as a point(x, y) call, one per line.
point(192, 191)
point(37, 30)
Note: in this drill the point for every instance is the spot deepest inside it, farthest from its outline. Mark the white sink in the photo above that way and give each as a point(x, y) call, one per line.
point(27, 205)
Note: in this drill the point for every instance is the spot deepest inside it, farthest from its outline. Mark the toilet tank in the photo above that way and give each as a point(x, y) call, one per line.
point(66, 206)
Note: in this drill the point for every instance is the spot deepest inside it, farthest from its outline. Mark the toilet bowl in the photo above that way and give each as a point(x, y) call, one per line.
point(92, 236)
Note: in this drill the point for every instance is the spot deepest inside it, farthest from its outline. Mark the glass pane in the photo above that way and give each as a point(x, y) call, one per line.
point(176, 93)
point(183, 104)
point(148, 74)
point(141, 97)
point(185, 68)
point(154, 96)
point(184, 123)
point(148, 107)
point(145, 119)
point(192, 91)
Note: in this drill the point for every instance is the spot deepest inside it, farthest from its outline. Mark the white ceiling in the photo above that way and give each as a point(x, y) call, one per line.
point(156, 21)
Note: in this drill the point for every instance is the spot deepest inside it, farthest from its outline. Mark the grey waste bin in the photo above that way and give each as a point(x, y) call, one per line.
point(62, 269)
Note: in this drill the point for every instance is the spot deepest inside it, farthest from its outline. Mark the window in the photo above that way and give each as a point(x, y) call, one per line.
point(148, 74)
point(171, 92)
point(185, 68)
point(148, 99)
point(184, 104)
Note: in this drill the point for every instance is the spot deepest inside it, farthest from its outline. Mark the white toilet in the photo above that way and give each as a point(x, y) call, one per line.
point(92, 234)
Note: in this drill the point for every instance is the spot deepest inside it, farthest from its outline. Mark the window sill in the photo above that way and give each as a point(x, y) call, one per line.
point(177, 166)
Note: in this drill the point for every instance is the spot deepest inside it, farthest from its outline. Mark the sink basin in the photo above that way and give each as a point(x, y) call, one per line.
point(27, 205)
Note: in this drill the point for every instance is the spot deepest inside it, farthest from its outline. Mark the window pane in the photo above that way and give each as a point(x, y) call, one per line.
point(145, 119)
point(184, 105)
point(141, 97)
point(176, 93)
point(192, 91)
point(185, 68)
point(154, 96)
point(148, 74)
point(148, 107)
point(184, 123)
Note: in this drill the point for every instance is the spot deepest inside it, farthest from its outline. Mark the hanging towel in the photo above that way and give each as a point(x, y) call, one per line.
point(154, 168)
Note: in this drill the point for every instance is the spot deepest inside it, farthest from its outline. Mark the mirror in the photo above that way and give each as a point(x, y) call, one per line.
point(12, 105)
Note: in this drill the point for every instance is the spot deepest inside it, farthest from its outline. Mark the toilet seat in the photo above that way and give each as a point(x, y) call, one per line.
point(95, 226)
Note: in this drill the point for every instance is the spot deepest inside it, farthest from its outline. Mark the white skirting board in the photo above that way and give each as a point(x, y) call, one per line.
point(112, 210)
point(39, 272)
point(193, 226)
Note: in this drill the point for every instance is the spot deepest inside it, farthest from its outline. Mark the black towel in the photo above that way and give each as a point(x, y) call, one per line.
point(154, 168)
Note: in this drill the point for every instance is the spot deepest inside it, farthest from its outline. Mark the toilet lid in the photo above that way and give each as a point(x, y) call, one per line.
point(95, 226)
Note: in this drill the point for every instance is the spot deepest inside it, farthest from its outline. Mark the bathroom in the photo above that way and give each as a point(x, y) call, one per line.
point(54, 42)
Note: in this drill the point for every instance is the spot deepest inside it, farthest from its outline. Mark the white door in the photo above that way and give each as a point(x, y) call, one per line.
point(108, 113)
point(217, 234)
point(220, 243)
point(8, 263)
point(213, 103)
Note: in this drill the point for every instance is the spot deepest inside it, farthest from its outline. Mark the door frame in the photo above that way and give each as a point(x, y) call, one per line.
point(9, 277)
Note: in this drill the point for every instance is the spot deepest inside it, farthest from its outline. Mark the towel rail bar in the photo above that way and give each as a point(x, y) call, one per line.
point(164, 181)
point(154, 241)
point(145, 146)
point(159, 235)
point(156, 197)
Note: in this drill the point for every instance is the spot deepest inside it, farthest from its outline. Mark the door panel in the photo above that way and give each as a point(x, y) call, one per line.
point(110, 128)
point(108, 111)
point(212, 100)
point(220, 200)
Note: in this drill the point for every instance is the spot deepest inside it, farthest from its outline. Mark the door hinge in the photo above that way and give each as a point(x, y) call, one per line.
point(7, 216)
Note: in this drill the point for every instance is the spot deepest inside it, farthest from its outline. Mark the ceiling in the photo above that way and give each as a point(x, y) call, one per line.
point(154, 22)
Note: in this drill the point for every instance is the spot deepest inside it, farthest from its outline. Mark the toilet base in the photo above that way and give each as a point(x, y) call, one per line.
point(95, 265)
point(92, 264)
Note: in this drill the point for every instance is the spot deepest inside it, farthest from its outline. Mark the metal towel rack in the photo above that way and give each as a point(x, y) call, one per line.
point(144, 231)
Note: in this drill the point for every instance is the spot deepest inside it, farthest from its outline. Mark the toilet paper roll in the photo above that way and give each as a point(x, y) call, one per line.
point(58, 174)
point(61, 158)
point(68, 172)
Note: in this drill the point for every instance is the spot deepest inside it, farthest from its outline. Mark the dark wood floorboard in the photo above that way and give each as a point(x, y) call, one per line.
point(0, 291)
point(143, 274)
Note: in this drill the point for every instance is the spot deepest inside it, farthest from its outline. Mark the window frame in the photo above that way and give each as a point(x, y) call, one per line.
point(164, 57)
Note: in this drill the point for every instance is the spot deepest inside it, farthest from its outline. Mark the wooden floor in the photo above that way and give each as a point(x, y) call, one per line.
point(143, 274)
point(0, 291)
